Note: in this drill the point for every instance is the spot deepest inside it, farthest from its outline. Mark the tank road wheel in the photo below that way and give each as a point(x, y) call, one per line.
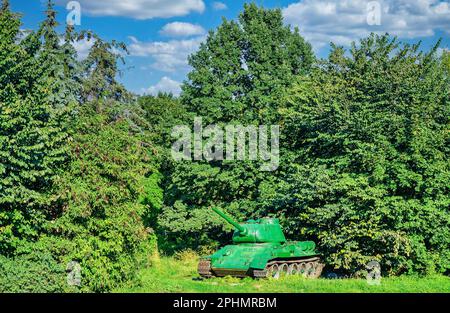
point(293, 269)
point(284, 269)
point(309, 269)
point(204, 268)
point(302, 269)
point(318, 267)
point(274, 271)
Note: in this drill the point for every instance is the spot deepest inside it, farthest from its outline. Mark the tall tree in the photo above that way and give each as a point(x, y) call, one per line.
point(243, 68)
point(101, 69)
point(240, 75)
point(31, 140)
point(14, 73)
point(58, 59)
point(107, 192)
point(369, 168)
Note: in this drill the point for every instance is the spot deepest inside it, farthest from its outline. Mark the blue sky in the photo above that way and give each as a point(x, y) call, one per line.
point(161, 34)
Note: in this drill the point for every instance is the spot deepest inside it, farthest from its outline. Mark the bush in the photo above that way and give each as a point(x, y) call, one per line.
point(32, 272)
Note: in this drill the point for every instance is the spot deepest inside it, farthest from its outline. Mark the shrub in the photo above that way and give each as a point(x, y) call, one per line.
point(32, 272)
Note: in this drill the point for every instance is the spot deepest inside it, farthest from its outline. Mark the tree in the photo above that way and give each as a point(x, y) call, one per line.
point(13, 55)
point(163, 112)
point(239, 76)
point(101, 68)
point(243, 68)
point(59, 64)
point(80, 187)
point(369, 164)
point(32, 141)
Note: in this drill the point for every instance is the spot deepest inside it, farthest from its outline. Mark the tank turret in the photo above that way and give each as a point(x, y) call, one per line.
point(263, 230)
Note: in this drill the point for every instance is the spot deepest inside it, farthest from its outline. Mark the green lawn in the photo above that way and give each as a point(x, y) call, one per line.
point(170, 275)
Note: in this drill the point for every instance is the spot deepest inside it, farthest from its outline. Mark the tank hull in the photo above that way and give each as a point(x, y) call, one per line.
point(262, 260)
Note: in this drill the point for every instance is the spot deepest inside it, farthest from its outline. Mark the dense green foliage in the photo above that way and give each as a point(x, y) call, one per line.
point(369, 173)
point(365, 137)
point(87, 174)
point(101, 221)
point(31, 140)
point(78, 173)
point(32, 272)
point(240, 75)
point(242, 70)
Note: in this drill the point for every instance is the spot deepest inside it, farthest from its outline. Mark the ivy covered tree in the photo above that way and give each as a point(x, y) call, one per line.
point(73, 187)
point(107, 193)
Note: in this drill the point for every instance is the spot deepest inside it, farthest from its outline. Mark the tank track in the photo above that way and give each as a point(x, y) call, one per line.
point(310, 268)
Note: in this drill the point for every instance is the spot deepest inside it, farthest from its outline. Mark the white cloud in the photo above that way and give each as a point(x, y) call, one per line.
point(165, 85)
point(341, 22)
point(180, 29)
point(23, 33)
point(139, 9)
point(168, 56)
point(83, 46)
point(441, 51)
point(219, 6)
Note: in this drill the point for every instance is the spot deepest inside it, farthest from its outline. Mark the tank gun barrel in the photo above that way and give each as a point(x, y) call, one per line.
point(230, 220)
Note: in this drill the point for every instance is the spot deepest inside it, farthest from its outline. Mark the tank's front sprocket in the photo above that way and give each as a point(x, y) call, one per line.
point(204, 268)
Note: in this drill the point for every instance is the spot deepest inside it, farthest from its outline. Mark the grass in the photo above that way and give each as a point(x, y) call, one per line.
point(169, 275)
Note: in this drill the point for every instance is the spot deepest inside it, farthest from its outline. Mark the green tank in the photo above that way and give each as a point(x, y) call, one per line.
point(260, 250)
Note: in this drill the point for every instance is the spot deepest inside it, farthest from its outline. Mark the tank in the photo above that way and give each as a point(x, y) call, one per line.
point(261, 250)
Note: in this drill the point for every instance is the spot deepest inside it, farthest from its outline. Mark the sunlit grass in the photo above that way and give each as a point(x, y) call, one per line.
point(180, 275)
